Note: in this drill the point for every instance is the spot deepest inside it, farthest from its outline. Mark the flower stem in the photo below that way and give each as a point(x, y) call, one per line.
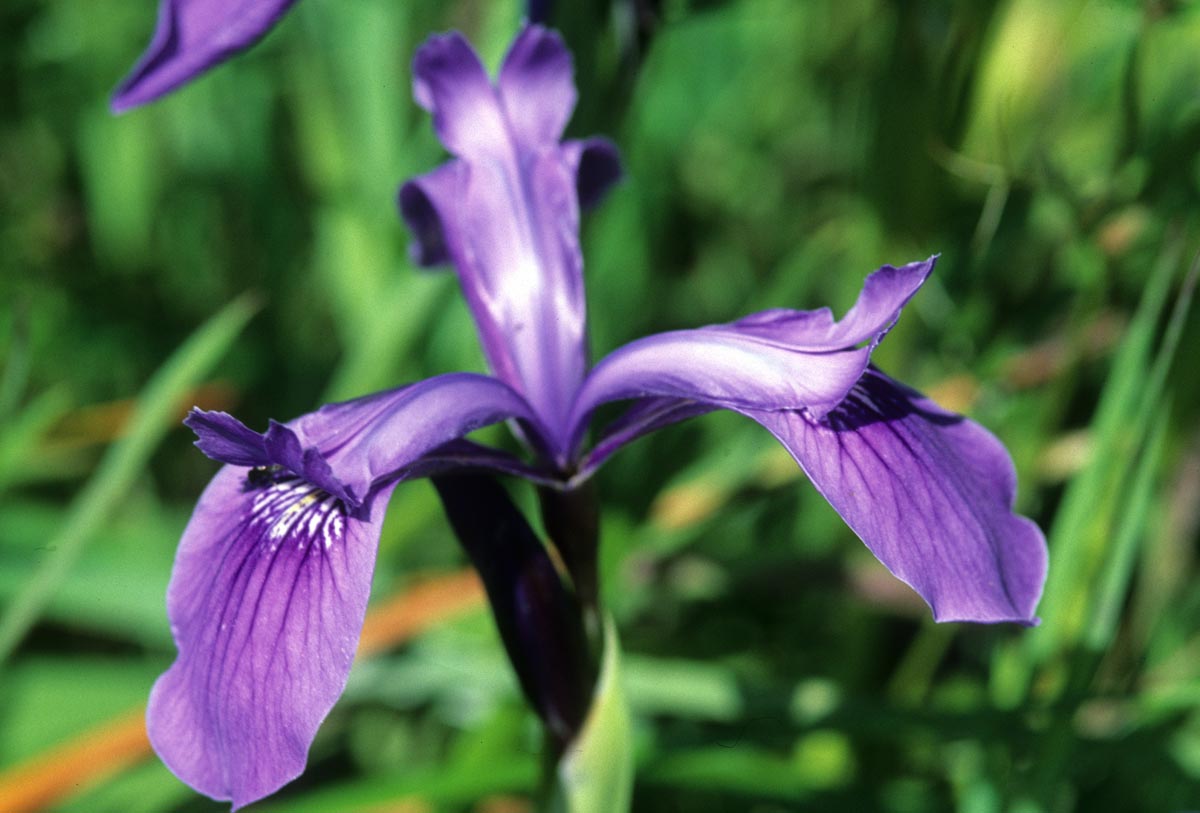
point(538, 616)
point(572, 520)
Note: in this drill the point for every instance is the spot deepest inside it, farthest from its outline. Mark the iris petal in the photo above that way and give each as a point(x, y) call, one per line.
point(223, 437)
point(451, 83)
point(266, 601)
point(596, 165)
point(506, 211)
point(885, 293)
point(929, 492)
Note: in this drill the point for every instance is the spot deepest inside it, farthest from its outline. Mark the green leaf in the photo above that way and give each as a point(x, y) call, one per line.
point(596, 773)
point(156, 413)
point(1080, 539)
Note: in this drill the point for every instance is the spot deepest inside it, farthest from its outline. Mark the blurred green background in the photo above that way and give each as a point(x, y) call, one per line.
point(776, 152)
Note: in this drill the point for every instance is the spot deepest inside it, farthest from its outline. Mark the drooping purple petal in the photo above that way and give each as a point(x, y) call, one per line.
point(191, 37)
point(772, 360)
point(506, 212)
point(930, 493)
point(266, 601)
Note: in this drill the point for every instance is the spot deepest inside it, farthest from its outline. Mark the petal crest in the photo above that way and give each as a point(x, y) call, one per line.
point(451, 83)
point(350, 448)
point(778, 359)
point(885, 293)
point(223, 437)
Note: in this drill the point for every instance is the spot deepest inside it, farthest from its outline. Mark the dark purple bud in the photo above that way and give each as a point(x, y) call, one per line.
point(539, 619)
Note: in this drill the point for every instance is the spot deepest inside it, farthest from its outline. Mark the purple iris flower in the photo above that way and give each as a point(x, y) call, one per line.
point(271, 580)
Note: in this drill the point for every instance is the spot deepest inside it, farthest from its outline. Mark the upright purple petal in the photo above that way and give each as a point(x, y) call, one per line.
point(451, 83)
point(773, 360)
point(537, 87)
point(421, 202)
point(885, 293)
point(506, 212)
point(191, 37)
point(266, 601)
point(930, 493)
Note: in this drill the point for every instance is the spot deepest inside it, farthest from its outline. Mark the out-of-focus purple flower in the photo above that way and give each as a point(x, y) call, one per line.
point(192, 36)
point(271, 580)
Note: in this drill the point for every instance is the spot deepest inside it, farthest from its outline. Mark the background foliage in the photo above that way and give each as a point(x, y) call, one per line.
point(776, 152)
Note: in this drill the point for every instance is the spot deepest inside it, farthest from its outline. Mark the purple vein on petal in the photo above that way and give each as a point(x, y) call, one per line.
point(505, 211)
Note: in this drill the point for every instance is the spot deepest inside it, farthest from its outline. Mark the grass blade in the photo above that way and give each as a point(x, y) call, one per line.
point(156, 413)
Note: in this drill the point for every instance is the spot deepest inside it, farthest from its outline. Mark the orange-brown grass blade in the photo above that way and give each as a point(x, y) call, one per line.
point(89, 758)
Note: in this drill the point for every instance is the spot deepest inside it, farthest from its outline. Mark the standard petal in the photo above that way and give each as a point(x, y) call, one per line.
point(223, 437)
point(514, 241)
point(929, 492)
point(537, 87)
point(506, 213)
point(266, 601)
point(513, 238)
point(191, 37)
point(421, 202)
point(451, 83)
